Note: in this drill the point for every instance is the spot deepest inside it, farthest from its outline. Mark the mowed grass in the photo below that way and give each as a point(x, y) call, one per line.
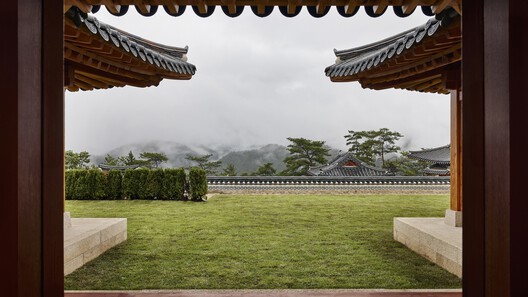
point(262, 242)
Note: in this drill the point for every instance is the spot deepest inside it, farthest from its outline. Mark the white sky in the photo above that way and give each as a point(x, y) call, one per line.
point(258, 81)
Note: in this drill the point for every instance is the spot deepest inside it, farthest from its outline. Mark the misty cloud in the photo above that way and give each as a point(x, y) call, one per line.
point(259, 81)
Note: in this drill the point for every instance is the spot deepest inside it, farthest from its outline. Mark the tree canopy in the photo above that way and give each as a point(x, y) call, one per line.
point(304, 153)
point(203, 162)
point(266, 170)
point(230, 170)
point(111, 160)
point(154, 159)
point(74, 160)
point(405, 166)
point(370, 145)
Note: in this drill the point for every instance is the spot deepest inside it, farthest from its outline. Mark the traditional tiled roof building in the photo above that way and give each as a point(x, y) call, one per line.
point(347, 165)
point(99, 56)
point(439, 158)
point(106, 167)
point(415, 60)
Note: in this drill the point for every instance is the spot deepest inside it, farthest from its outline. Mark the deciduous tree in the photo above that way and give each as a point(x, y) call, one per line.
point(74, 160)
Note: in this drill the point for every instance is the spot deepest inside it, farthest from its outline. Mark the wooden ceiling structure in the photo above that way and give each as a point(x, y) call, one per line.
point(263, 8)
point(99, 56)
point(420, 59)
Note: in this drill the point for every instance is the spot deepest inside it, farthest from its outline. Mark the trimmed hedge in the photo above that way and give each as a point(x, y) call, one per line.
point(85, 184)
point(174, 184)
point(114, 185)
point(170, 184)
point(155, 184)
point(197, 184)
point(135, 183)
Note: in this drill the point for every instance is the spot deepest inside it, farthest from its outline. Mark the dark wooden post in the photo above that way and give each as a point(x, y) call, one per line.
point(456, 150)
point(495, 118)
point(32, 116)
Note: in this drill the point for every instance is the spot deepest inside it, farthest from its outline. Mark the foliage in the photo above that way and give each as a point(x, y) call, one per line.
point(135, 183)
point(204, 163)
point(85, 184)
point(74, 160)
point(230, 170)
point(266, 170)
point(114, 185)
point(263, 242)
point(369, 145)
point(174, 181)
point(305, 153)
point(197, 184)
point(405, 166)
point(129, 159)
point(111, 160)
point(154, 159)
point(155, 183)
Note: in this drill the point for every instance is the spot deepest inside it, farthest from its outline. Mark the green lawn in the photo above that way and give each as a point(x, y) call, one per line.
point(262, 242)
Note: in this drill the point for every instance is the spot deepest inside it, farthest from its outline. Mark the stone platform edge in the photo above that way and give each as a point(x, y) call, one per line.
point(88, 238)
point(431, 238)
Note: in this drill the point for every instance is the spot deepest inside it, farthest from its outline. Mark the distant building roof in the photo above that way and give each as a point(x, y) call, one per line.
point(415, 60)
point(437, 169)
point(347, 165)
point(438, 155)
point(112, 167)
point(99, 56)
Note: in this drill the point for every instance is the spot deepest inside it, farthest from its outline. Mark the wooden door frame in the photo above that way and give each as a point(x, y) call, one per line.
point(32, 117)
point(494, 128)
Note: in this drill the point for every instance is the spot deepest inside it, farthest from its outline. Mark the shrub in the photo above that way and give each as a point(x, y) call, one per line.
point(96, 183)
point(197, 184)
point(135, 183)
point(69, 183)
point(114, 184)
point(173, 183)
point(155, 183)
point(85, 184)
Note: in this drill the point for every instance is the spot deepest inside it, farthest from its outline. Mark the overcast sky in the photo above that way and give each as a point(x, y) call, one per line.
point(258, 81)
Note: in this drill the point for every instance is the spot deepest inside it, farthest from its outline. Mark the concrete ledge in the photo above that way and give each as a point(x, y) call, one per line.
point(433, 239)
point(87, 239)
point(453, 218)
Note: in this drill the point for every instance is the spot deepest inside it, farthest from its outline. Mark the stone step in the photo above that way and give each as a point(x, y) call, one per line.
point(433, 239)
point(88, 238)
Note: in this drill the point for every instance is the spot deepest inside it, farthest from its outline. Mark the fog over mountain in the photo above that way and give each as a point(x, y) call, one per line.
point(258, 81)
point(244, 160)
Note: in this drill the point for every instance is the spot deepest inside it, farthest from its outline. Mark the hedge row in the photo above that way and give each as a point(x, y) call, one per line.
point(166, 184)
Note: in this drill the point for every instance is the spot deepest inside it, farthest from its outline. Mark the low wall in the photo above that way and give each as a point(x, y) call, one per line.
point(328, 185)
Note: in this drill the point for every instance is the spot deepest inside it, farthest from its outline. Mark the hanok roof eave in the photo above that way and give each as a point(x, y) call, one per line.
point(99, 56)
point(439, 155)
point(332, 168)
point(234, 8)
point(401, 61)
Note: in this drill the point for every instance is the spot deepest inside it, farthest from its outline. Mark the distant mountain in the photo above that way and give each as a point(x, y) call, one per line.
point(176, 152)
point(248, 161)
point(245, 161)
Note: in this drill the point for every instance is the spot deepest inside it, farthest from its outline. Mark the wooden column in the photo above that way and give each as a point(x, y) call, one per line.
point(495, 118)
point(456, 150)
point(31, 113)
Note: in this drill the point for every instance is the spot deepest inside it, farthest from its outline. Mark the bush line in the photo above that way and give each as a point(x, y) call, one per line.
point(145, 184)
